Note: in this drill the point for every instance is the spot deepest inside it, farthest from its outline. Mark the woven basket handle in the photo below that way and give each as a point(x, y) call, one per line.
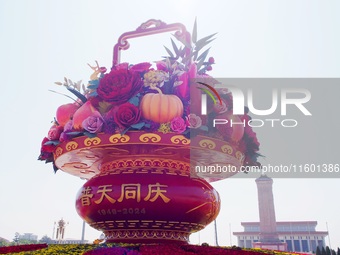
point(149, 27)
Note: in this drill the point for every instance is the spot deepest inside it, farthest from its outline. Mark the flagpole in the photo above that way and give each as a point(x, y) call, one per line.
point(216, 240)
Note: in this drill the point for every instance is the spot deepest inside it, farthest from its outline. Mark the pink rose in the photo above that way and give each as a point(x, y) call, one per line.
point(194, 121)
point(54, 132)
point(178, 125)
point(93, 123)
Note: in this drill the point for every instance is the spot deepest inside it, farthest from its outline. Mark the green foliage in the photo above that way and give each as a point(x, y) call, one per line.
point(328, 251)
point(16, 237)
point(323, 251)
point(191, 50)
point(46, 239)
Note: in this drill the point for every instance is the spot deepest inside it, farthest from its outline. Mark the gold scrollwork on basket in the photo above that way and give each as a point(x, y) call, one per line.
point(71, 146)
point(58, 152)
point(119, 138)
point(206, 143)
point(227, 149)
point(149, 137)
point(92, 141)
point(240, 156)
point(180, 139)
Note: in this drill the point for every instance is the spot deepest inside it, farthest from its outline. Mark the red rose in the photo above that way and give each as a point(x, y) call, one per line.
point(47, 147)
point(119, 86)
point(126, 115)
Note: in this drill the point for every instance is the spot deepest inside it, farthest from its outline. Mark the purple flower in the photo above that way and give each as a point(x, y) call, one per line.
point(154, 126)
point(109, 125)
point(93, 123)
point(178, 125)
point(68, 126)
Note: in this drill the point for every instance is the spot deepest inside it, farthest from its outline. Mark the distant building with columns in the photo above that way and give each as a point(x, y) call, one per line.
point(296, 236)
point(300, 236)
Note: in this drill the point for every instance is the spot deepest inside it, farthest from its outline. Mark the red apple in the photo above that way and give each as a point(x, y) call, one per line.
point(65, 113)
point(237, 127)
point(85, 111)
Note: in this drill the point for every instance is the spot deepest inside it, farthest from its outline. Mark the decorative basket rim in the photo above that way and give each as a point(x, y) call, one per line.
point(84, 156)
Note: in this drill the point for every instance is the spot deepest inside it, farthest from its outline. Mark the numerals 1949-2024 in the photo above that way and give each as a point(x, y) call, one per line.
point(131, 211)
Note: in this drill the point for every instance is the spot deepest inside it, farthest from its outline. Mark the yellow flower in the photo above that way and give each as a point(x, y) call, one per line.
point(164, 128)
point(155, 78)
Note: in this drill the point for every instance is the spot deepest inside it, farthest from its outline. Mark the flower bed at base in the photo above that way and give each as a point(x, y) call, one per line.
point(22, 248)
point(128, 249)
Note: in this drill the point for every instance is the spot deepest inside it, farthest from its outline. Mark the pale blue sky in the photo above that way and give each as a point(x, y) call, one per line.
point(43, 41)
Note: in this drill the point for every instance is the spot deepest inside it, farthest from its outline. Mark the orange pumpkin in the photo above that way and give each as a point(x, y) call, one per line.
point(161, 108)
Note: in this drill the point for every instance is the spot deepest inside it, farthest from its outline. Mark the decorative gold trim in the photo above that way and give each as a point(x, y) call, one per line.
point(71, 146)
point(150, 137)
point(240, 156)
point(128, 224)
point(119, 138)
point(146, 165)
point(58, 152)
point(206, 143)
point(176, 139)
point(92, 141)
point(227, 149)
point(146, 234)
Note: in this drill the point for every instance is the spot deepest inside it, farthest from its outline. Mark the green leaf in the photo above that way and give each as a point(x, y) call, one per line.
point(94, 94)
point(94, 82)
point(203, 55)
point(90, 135)
point(194, 55)
point(78, 94)
point(194, 32)
point(74, 134)
point(92, 86)
point(174, 46)
point(199, 64)
point(135, 100)
point(204, 128)
point(124, 131)
point(182, 40)
point(52, 142)
point(138, 125)
point(204, 41)
point(169, 52)
point(203, 45)
point(55, 168)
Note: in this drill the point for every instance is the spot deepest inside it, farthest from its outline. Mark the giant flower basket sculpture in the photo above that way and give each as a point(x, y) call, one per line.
point(133, 134)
